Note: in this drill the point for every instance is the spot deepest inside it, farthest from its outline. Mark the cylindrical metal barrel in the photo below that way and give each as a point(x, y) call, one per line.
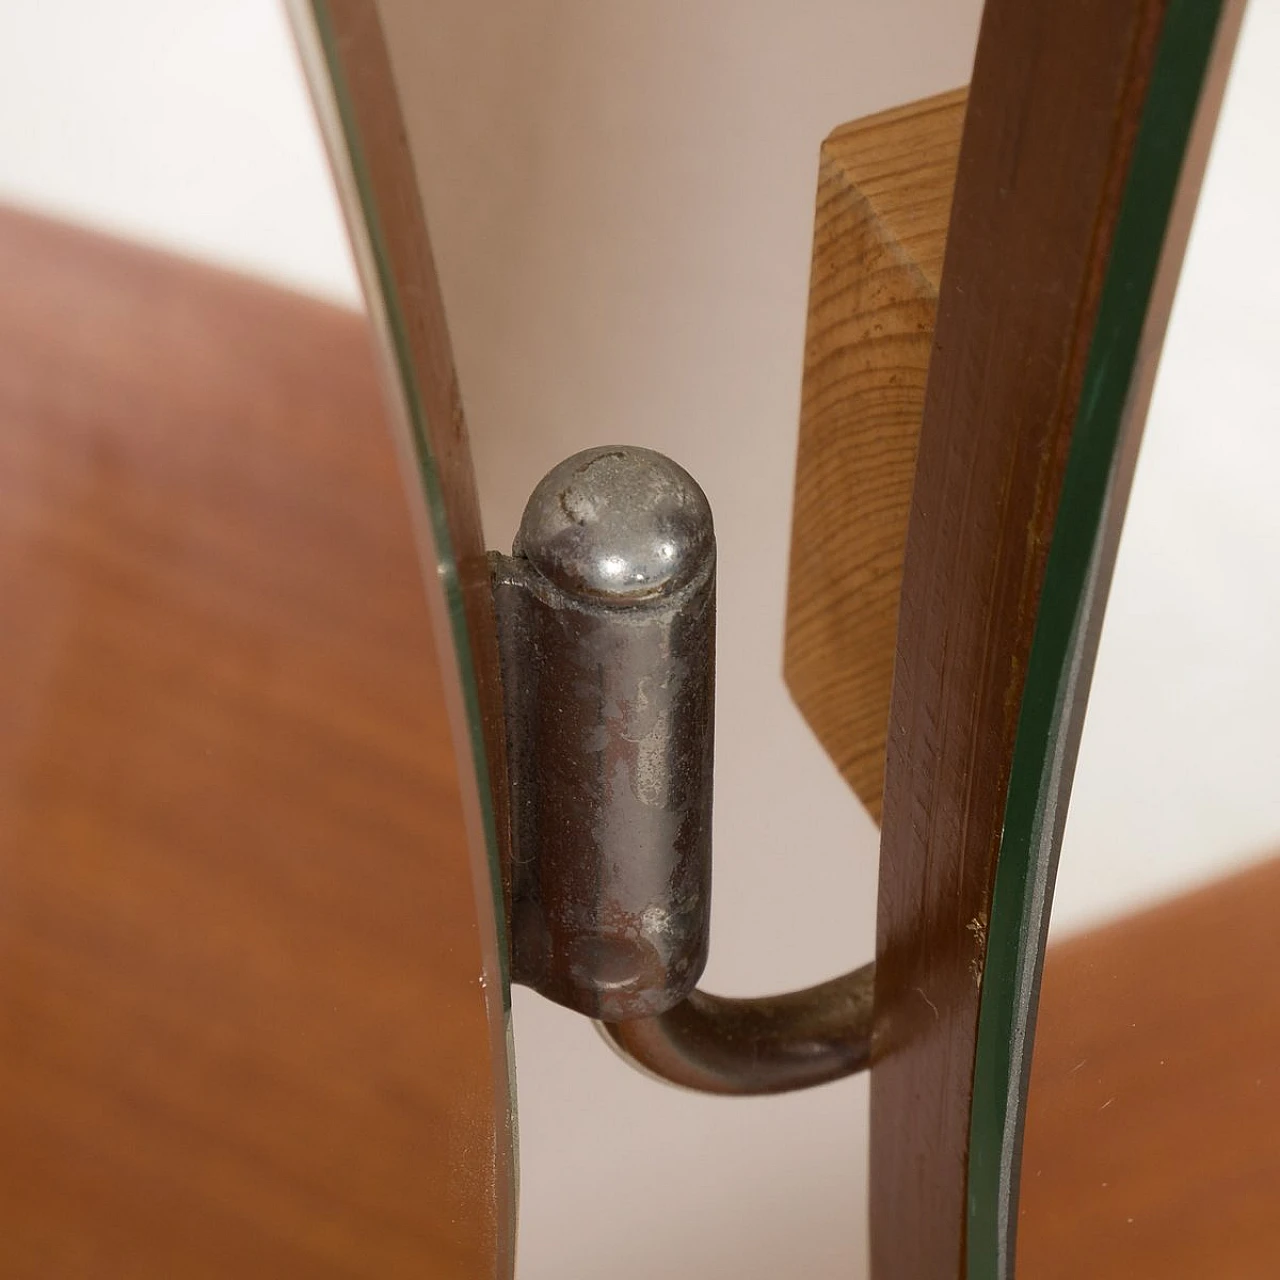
point(607, 616)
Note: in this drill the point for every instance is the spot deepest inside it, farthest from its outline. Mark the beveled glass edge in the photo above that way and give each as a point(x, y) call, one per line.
point(1077, 576)
point(314, 37)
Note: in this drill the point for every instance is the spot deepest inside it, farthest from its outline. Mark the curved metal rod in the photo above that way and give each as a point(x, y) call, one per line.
point(768, 1045)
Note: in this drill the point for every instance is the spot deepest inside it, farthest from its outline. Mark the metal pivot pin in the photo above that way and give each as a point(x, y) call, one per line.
point(606, 620)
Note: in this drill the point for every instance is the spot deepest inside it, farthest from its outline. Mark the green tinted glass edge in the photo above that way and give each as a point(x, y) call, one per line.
point(1039, 782)
point(427, 473)
point(446, 574)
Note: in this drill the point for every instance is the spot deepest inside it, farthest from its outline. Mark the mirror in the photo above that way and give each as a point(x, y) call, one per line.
point(1153, 1121)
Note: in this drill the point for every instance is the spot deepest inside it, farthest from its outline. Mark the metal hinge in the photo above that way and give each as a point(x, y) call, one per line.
point(606, 628)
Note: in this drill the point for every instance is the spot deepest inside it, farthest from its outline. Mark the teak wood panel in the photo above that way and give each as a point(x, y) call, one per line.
point(884, 200)
point(241, 1029)
point(1054, 105)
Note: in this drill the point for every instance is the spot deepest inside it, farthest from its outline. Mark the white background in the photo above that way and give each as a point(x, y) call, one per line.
point(621, 196)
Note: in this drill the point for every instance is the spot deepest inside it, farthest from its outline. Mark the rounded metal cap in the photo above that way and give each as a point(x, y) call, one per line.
point(617, 524)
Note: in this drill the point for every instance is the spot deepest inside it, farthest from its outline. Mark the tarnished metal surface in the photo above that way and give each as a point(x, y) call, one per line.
point(769, 1044)
point(606, 619)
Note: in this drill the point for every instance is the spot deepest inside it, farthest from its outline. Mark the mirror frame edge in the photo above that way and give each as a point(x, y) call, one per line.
point(332, 38)
point(1179, 116)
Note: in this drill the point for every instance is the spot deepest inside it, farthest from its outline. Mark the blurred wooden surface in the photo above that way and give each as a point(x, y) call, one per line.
point(241, 1032)
point(884, 199)
point(1153, 1127)
point(231, 855)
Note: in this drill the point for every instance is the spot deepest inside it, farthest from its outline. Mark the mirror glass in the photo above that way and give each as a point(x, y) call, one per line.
point(1153, 1114)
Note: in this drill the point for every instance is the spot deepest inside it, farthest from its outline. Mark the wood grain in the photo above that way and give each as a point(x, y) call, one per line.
point(1153, 1125)
point(884, 200)
point(1053, 108)
point(241, 1032)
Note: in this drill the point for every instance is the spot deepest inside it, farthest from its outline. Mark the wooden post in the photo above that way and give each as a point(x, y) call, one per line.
point(884, 199)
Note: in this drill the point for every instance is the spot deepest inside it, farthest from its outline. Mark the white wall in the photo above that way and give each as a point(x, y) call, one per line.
point(621, 196)
point(180, 122)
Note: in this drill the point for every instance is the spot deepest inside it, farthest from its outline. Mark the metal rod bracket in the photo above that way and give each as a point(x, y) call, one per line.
point(606, 637)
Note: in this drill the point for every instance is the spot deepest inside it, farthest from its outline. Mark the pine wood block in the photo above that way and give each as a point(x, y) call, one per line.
point(884, 200)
